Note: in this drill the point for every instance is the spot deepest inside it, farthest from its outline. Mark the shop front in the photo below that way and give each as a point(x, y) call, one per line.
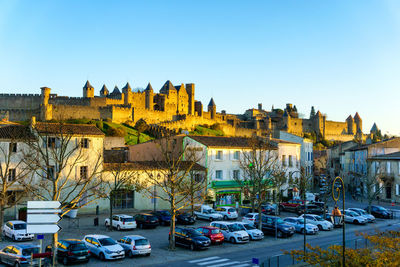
point(227, 193)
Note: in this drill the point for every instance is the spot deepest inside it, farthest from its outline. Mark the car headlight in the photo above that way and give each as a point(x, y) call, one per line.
point(108, 251)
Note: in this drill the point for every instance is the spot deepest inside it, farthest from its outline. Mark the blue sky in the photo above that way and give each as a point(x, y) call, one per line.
point(339, 56)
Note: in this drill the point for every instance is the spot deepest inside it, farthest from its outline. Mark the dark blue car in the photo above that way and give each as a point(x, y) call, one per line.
point(164, 216)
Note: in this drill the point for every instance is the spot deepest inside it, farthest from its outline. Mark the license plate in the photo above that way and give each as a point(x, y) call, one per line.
point(81, 258)
point(130, 223)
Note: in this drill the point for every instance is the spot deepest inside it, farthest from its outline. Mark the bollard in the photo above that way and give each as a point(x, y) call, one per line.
point(96, 221)
point(97, 210)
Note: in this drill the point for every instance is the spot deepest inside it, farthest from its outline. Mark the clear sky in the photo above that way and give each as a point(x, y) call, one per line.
point(339, 56)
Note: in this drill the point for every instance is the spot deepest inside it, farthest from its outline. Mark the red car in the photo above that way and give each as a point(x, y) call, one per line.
point(213, 233)
point(291, 205)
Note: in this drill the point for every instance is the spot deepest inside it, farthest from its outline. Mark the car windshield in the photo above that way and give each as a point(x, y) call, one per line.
point(141, 242)
point(241, 226)
point(319, 218)
point(279, 220)
point(231, 210)
point(215, 231)
point(29, 251)
point(107, 241)
point(165, 213)
point(234, 227)
point(78, 246)
point(300, 220)
point(20, 226)
point(351, 213)
point(127, 219)
point(193, 233)
point(381, 208)
point(249, 227)
point(363, 212)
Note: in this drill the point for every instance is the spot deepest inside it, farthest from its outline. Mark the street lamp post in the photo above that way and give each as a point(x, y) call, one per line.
point(336, 198)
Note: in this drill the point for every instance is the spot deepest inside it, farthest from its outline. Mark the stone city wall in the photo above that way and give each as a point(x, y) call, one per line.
point(20, 101)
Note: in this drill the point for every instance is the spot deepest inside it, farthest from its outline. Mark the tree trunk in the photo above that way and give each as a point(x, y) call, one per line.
point(171, 245)
point(138, 138)
point(111, 210)
point(252, 205)
point(55, 240)
point(1, 220)
point(259, 216)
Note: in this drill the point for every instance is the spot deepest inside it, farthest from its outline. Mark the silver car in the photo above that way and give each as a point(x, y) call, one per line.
point(370, 217)
point(135, 245)
point(19, 255)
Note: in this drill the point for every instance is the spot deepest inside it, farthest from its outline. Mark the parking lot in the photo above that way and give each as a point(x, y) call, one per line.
point(158, 238)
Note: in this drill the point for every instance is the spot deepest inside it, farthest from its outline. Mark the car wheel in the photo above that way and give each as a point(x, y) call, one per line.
point(279, 234)
point(118, 228)
point(192, 247)
point(65, 261)
point(16, 264)
point(232, 240)
point(302, 231)
point(148, 254)
point(130, 254)
point(320, 227)
point(13, 238)
point(195, 217)
point(141, 226)
point(211, 219)
point(225, 218)
point(355, 222)
point(101, 256)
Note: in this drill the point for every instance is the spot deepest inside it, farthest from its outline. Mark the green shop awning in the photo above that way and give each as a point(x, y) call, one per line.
point(225, 184)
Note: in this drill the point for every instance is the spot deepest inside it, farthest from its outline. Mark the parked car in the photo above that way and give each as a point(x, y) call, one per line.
point(362, 212)
point(290, 205)
point(318, 221)
point(121, 222)
point(163, 216)
point(311, 209)
point(232, 232)
point(71, 250)
point(135, 245)
point(244, 210)
point(16, 230)
point(268, 209)
point(298, 224)
point(254, 233)
point(353, 217)
point(189, 237)
point(185, 218)
point(320, 204)
point(146, 220)
point(275, 225)
point(207, 213)
point(19, 255)
point(104, 247)
point(213, 233)
point(250, 218)
point(380, 212)
point(228, 213)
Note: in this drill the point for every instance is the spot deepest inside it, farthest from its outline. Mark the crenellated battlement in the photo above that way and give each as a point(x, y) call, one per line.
point(14, 95)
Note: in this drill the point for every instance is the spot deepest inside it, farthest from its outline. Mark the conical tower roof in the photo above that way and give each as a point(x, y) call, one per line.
point(357, 117)
point(212, 103)
point(87, 85)
point(104, 90)
point(149, 88)
point(374, 128)
point(127, 87)
point(167, 87)
point(116, 91)
point(349, 118)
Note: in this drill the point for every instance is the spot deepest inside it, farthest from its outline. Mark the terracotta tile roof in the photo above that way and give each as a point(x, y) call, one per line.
point(16, 132)
point(230, 142)
point(149, 165)
point(57, 128)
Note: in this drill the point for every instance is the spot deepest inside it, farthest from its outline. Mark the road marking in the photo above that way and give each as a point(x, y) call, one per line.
point(224, 264)
point(212, 261)
point(204, 259)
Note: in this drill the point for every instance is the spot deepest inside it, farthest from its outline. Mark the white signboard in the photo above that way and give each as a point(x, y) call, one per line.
point(42, 217)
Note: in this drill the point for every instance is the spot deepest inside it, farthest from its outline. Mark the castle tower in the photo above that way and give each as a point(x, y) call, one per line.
point(104, 91)
point(312, 113)
point(127, 92)
point(88, 90)
point(358, 122)
point(319, 124)
point(212, 108)
point(46, 109)
point(149, 97)
point(190, 92)
point(350, 125)
point(286, 120)
point(116, 93)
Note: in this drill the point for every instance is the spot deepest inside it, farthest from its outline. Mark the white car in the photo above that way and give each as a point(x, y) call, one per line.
point(254, 233)
point(250, 218)
point(16, 230)
point(206, 213)
point(298, 224)
point(121, 222)
point(318, 221)
point(353, 217)
point(135, 245)
point(227, 213)
point(104, 247)
point(370, 217)
point(232, 232)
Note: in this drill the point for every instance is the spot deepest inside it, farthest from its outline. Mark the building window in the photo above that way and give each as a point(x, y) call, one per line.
point(51, 142)
point(13, 147)
point(236, 174)
point(399, 167)
point(218, 174)
point(51, 172)
point(85, 143)
point(397, 189)
point(11, 175)
point(290, 161)
point(236, 155)
point(283, 160)
point(219, 155)
point(388, 167)
point(123, 199)
point(83, 172)
point(198, 178)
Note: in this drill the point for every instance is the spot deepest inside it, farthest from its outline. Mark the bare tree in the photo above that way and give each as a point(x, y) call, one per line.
point(14, 173)
point(257, 164)
point(171, 175)
point(67, 166)
point(374, 182)
point(280, 180)
point(119, 177)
